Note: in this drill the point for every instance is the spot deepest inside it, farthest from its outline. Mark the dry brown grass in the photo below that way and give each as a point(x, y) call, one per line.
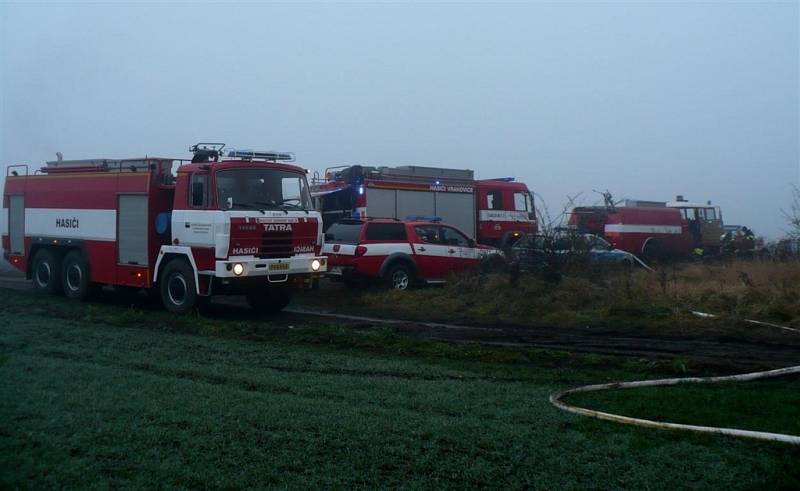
point(766, 291)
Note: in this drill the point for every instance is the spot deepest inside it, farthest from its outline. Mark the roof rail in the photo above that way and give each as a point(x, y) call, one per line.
point(424, 218)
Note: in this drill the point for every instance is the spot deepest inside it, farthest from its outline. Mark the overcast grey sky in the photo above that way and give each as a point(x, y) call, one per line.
point(647, 100)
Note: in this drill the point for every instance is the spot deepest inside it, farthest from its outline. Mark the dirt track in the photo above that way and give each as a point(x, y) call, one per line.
point(740, 347)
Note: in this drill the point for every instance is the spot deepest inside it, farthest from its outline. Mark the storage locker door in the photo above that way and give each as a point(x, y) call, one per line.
point(381, 203)
point(457, 209)
point(421, 203)
point(133, 231)
point(16, 224)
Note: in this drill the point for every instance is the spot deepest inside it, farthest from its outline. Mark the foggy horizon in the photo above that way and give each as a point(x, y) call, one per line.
point(648, 101)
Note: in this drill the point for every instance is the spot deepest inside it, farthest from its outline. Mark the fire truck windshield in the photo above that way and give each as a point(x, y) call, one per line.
point(262, 189)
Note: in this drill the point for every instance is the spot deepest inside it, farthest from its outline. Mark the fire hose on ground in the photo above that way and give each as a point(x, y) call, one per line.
point(556, 399)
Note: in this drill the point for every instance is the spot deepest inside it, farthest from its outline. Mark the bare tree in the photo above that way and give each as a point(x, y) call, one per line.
point(792, 215)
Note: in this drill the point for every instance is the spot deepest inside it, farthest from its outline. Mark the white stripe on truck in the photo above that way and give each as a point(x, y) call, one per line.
point(71, 223)
point(643, 229)
point(504, 216)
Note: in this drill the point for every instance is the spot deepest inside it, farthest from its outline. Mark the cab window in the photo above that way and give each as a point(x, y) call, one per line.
point(522, 202)
point(428, 234)
point(711, 214)
point(386, 232)
point(199, 190)
point(453, 237)
point(494, 200)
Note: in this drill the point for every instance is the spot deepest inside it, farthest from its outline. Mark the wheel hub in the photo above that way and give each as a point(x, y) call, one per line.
point(177, 289)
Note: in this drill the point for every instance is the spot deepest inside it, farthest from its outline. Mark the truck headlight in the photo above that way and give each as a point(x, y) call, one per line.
point(315, 265)
point(238, 269)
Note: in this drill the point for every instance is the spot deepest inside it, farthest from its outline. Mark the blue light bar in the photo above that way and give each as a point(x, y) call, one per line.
point(265, 155)
point(506, 179)
point(423, 218)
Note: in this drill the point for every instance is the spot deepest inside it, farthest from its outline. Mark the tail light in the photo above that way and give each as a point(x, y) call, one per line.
point(360, 251)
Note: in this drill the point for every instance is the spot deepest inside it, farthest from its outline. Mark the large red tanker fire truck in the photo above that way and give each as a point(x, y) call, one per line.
point(239, 222)
point(654, 228)
point(492, 211)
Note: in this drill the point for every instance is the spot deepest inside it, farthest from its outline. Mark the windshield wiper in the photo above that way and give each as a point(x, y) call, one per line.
point(272, 206)
point(249, 206)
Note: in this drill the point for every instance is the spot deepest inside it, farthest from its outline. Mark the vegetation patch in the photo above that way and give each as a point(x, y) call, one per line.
point(108, 395)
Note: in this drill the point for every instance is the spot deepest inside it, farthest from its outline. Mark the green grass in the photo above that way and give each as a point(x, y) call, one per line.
point(771, 405)
point(106, 396)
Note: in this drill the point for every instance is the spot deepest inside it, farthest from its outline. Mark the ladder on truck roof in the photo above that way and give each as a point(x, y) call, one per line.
point(145, 164)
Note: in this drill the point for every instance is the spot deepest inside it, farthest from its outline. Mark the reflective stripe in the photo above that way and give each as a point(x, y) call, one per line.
point(71, 223)
point(504, 216)
point(643, 229)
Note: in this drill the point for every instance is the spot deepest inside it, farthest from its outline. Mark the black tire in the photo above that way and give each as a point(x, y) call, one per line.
point(75, 279)
point(269, 300)
point(177, 287)
point(399, 277)
point(493, 263)
point(46, 272)
point(652, 251)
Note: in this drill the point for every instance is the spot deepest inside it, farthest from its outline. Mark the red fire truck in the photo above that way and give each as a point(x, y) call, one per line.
point(654, 228)
point(239, 222)
point(491, 211)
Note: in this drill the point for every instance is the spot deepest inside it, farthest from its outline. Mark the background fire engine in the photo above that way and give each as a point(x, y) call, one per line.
point(654, 228)
point(492, 211)
point(238, 223)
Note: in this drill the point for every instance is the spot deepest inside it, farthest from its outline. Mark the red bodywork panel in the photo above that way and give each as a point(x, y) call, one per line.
point(631, 228)
point(100, 191)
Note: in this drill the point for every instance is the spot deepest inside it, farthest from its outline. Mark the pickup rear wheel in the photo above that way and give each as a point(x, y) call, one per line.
point(46, 272)
point(269, 300)
point(399, 277)
point(178, 292)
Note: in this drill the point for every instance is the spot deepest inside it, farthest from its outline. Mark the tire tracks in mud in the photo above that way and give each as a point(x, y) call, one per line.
point(732, 351)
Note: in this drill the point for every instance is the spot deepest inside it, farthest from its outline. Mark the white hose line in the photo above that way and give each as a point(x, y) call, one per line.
point(555, 399)
point(749, 321)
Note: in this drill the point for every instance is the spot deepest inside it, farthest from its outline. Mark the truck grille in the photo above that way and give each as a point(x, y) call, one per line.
point(275, 245)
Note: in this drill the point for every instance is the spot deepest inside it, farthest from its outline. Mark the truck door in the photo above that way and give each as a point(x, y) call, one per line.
point(434, 259)
point(16, 224)
point(458, 245)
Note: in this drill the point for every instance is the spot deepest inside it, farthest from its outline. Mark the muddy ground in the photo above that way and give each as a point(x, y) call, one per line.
point(722, 347)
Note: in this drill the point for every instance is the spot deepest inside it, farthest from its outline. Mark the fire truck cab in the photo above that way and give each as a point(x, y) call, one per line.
point(239, 222)
point(491, 211)
point(705, 224)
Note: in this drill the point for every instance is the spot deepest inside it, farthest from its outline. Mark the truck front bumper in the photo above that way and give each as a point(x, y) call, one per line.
point(251, 267)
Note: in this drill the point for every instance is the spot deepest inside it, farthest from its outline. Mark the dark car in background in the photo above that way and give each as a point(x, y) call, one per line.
point(535, 252)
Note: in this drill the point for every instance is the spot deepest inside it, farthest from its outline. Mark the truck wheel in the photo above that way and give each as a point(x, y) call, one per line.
point(46, 272)
point(269, 300)
point(178, 292)
point(399, 277)
point(652, 251)
point(75, 276)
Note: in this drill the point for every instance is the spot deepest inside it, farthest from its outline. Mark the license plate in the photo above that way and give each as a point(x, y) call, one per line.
point(279, 267)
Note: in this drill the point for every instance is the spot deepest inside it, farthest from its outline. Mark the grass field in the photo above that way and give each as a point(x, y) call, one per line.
point(762, 290)
point(106, 396)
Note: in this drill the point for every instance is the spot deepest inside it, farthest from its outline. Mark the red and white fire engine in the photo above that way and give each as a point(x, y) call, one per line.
point(237, 222)
point(491, 211)
point(654, 228)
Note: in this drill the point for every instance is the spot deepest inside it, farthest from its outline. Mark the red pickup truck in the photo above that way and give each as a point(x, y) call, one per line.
point(401, 252)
